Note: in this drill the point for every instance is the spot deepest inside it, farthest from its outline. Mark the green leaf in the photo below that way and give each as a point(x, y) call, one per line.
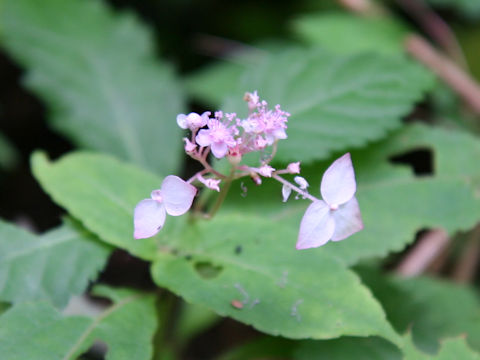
point(52, 266)
point(336, 102)
point(101, 192)
point(265, 347)
point(8, 154)
point(35, 330)
point(99, 77)
point(395, 203)
point(241, 259)
point(451, 349)
point(347, 33)
point(431, 309)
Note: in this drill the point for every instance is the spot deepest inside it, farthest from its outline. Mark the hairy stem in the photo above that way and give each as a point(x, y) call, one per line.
point(295, 188)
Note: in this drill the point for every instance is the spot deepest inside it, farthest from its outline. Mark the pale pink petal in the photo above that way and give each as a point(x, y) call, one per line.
point(294, 168)
point(203, 138)
point(182, 121)
point(302, 183)
point(338, 183)
point(148, 219)
point(348, 220)
point(177, 195)
point(317, 226)
point(219, 149)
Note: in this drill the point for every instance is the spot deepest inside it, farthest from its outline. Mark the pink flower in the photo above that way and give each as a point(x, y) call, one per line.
point(337, 216)
point(294, 168)
point(175, 198)
point(210, 183)
point(266, 170)
point(192, 121)
point(218, 136)
point(189, 146)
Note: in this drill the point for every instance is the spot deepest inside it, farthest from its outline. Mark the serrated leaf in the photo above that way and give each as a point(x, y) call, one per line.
point(347, 33)
point(99, 77)
point(431, 309)
point(335, 101)
point(35, 330)
point(394, 203)
point(101, 192)
point(52, 266)
point(267, 283)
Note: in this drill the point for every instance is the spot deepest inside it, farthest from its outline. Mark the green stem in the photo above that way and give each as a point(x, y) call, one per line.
point(223, 194)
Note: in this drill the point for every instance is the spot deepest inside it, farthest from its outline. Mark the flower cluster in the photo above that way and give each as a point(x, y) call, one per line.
point(334, 218)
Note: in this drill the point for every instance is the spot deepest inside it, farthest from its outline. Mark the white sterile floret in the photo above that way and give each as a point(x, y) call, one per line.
point(337, 216)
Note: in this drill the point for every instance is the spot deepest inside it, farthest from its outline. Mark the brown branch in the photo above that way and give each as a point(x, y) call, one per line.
point(446, 69)
point(467, 264)
point(435, 27)
point(428, 247)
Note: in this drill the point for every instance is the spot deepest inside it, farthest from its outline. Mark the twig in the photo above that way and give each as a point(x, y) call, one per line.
point(428, 247)
point(448, 71)
point(435, 27)
point(466, 266)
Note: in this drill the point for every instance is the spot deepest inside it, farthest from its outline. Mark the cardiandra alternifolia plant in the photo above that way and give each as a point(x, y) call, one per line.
point(335, 218)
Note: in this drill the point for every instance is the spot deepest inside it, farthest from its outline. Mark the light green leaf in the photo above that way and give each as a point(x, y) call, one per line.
point(394, 203)
point(35, 330)
point(336, 102)
point(99, 77)
point(8, 153)
point(431, 309)
point(450, 349)
point(347, 33)
point(53, 266)
point(101, 192)
point(283, 292)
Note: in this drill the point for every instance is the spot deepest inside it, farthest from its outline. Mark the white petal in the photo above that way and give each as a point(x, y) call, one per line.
point(203, 138)
point(177, 195)
point(148, 219)
point(182, 120)
point(338, 183)
point(286, 191)
point(301, 182)
point(348, 220)
point(219, 149)
point(317, 226)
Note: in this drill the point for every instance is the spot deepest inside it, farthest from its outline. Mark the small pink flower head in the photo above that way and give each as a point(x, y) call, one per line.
point(337, 216)
point(266, 170)
point(294, 168)
point(252, 99)
point(218, 136)
point(210, 183)
point(175, 198)
point(189, 146)
point(192, 121)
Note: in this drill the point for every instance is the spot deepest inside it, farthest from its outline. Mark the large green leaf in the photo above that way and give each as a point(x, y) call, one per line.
point(395, 204)
point(431, 309)
point(99, 77)
point(101, 192)
point(348, 33)
point(50, 267)
point(336, 101)
point(239, 258)
point(35, 330)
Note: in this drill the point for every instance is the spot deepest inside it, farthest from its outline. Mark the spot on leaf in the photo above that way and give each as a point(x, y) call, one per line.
point(421, 161)
point(207, 270)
